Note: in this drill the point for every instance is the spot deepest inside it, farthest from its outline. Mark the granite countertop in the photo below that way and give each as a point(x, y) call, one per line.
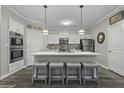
point(76, 53)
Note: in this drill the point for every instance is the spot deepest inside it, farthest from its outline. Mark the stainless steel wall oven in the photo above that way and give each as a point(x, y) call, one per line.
point(16, 55)
point(16, 47)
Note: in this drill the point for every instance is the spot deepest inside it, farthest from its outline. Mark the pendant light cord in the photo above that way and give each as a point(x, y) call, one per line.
point(81, 6)
point(45, 18)
point(45, 6)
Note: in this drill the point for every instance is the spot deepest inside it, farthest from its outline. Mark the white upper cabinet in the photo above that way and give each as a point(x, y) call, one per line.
point(63, 35)
point(16, 26)
point(73, 39)
point(12, 25)
point(50, 39)
point(53, 39)
point(56, 39)
point(20, 28)
point(86, 36)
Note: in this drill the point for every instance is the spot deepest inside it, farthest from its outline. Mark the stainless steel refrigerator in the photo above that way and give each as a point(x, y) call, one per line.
point(87, 45)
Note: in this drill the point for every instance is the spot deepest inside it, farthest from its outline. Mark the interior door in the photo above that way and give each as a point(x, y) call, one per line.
point(115, 48)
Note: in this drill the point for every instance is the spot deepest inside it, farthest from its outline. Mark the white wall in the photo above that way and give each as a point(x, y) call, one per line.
point(103, 27)
point(5, 15)
point(101, 48)
point(0, 41)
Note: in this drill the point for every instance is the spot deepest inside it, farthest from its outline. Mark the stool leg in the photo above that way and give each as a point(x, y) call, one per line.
point(62, 75)
point(67, 76)
point(97, 75)
point(84, 75)
point(45, 75)
point(80, 74)
point(37, 71)
point(93, 73)
point(49, 75)
point(33, 72)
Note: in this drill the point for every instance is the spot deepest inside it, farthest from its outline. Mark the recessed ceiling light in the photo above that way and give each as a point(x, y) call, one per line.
point(66, 22)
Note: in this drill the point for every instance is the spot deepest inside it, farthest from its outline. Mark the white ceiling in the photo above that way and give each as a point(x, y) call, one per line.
point(91, 14)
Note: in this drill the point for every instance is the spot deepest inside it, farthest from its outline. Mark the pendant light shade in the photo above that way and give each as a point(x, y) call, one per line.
point(45, 31)
point(81, 31)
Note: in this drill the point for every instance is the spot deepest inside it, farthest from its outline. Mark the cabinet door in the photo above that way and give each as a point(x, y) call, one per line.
point(16, 65)
point(71, 40)
point(53, 39)
point(20, 28)
point(64, 35)
point(74, 39)
point(77, 39)
point(56, 39)
point(50, 39)
point(12, 25)
point(16, 26)
point(86, 36)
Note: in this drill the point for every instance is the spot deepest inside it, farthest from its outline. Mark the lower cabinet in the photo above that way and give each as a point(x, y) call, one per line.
point(15, 66)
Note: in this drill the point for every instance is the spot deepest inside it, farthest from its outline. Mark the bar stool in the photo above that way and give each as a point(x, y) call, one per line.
point(93, 67)
point(69, 75)
point(56, 71)
point(40, 71)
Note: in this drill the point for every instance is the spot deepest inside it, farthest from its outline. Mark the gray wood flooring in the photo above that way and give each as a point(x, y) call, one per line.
point(22, 79)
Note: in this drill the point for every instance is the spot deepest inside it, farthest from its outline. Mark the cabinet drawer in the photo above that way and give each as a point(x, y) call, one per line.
point(16, 65)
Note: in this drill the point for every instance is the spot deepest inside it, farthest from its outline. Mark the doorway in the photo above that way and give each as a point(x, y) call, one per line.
point(115, 44)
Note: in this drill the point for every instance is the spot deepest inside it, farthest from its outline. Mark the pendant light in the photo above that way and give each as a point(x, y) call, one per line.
point(45, 31)
point(81, 31)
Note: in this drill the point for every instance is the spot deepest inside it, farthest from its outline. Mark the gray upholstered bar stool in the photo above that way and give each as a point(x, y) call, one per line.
point(69, 75)
point(93, 67)
point(56, 71)
point(40, 71)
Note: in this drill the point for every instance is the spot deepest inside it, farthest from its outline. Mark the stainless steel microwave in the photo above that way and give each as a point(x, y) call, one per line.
point(63, 40)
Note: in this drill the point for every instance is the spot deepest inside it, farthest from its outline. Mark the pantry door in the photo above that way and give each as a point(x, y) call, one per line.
point(34, 43)
point(115, 48)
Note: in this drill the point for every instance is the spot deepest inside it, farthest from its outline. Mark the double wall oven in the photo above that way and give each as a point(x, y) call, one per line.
point(16, 47)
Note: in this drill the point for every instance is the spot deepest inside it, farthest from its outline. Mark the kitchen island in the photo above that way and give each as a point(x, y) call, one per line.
point(64, 56)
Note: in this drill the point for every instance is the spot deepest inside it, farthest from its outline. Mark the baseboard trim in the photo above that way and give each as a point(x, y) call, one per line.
point(103, 66)
point(10, 73)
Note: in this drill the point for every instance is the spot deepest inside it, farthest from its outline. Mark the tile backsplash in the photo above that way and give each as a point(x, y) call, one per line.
point(57, 46)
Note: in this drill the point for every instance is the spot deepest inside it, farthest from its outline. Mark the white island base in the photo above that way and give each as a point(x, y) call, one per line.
point(65, 56)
